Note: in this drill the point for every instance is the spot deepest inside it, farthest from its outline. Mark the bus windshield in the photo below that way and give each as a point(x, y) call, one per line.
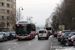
point(21, 29)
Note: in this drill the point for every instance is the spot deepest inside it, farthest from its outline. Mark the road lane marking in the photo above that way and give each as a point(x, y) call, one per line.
point(14, 47)
point(9, 49)
point(51, 46)
point(29, 43)
point(12, 43)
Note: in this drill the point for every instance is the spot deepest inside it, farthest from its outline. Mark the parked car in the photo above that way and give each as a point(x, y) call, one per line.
point(61, 33)
point(70, 41)
point(10, 36)
point(58, 35)
point(14, 34)
point(72, 33)
point(3, 36)
point(43, 34)
point(64, 37)
point(8, 33)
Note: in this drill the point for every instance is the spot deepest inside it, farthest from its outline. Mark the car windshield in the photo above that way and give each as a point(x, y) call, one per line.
point(72, 34)
point(73, 37)
point(42, 31)
point(67, 34)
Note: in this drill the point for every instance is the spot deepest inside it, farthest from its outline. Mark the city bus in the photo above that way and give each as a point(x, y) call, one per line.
point(25, 30)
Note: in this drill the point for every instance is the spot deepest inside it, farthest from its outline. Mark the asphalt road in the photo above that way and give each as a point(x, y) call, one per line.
point(34, 44)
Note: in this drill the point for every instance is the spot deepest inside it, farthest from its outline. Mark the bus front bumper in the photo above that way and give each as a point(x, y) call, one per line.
point(20, 37)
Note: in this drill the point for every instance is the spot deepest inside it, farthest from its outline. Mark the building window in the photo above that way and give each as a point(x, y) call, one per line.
point(8, 5)
point(2, 24)
point(2, 17)
point(8, 18)
point(2, 10)
point(8, 24)
point(8, 0)
point(2, 4)
point(8, 11)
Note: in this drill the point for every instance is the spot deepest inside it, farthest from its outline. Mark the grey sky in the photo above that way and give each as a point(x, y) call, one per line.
point(40, 10)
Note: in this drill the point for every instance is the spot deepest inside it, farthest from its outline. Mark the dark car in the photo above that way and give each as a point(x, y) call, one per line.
point(9, 34)
point(70, 41)
point(14, 34)
point(64, 37)
point(72, 33)
point(62, 33)
point(59, 35)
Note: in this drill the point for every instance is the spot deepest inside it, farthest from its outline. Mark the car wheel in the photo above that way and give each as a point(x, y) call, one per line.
point(12, 37)
point(3, 40)
point(58, 40)
point(46, 38)
point(38, 38)
point(6, 39)
point(66, 44)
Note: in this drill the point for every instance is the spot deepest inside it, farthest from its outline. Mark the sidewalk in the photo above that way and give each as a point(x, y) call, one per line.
point(55, 45)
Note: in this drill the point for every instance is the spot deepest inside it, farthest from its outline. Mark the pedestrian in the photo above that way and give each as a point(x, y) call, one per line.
point(53, 31)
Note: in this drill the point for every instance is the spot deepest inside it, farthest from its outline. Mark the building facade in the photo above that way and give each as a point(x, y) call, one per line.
point(7, 13)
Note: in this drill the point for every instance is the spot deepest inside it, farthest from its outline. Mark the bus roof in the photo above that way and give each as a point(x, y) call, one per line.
point(23, 22)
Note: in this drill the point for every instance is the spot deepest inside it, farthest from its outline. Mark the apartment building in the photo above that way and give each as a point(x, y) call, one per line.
point(7, 13)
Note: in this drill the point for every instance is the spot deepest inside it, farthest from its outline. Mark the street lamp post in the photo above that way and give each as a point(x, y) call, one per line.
point(29, 19)
point(19, 11)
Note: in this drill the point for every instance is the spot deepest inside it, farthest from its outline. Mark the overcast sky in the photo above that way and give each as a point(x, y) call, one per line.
point(40, 10)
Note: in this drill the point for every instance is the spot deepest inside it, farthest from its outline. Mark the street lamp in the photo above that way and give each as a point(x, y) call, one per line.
point(19, 11)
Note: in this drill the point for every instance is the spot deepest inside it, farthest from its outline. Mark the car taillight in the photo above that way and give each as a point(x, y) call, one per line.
point(72, 40)
point(68, 37)
point(54, 33)
point(47, 33)
point(60, 34)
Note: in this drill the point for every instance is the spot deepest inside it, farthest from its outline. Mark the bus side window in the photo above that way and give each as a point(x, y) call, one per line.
point(28, 28)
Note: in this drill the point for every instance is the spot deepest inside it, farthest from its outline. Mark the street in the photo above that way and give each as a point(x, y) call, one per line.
point(34, 44)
